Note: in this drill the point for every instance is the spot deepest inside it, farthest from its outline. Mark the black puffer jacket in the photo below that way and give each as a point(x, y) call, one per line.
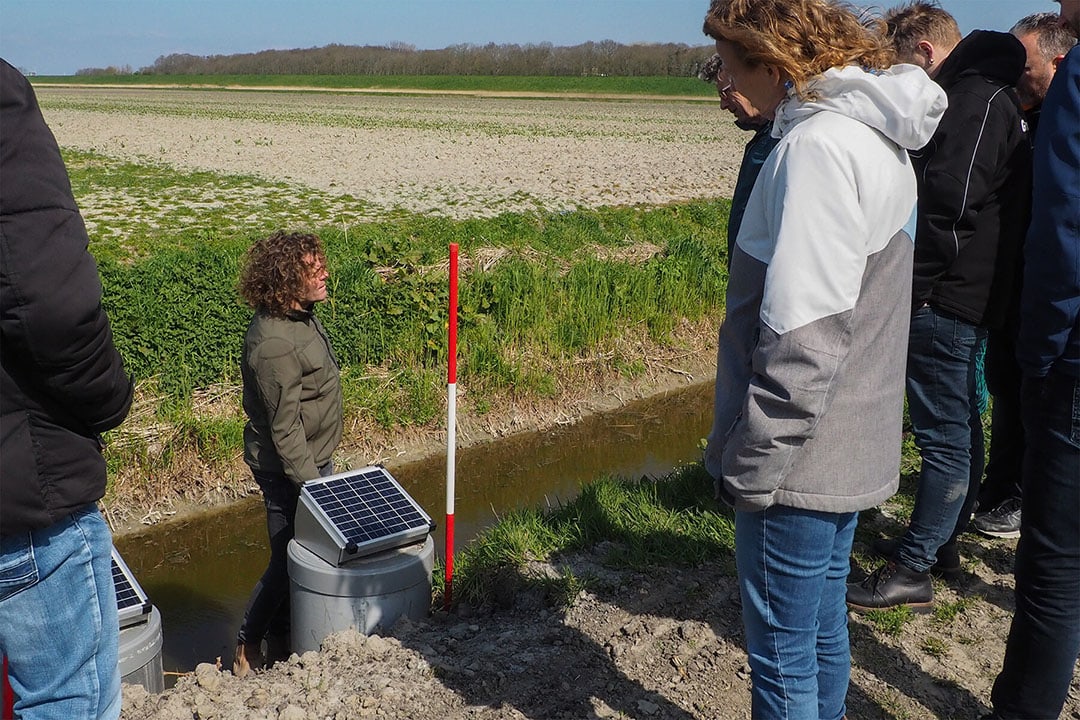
point(974, 184)
point(61, 379)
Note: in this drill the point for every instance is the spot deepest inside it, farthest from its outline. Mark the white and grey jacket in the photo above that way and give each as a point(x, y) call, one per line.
point(810, 365)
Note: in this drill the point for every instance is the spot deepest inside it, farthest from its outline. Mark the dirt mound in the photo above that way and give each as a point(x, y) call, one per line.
point(664, 644)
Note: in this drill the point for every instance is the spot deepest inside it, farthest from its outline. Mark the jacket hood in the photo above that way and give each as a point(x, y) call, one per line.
point(996, 56)
point(902, 103)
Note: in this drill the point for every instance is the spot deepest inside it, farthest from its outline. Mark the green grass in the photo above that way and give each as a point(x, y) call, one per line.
point(946, 612)
point(176, 316)
point(673, 521)
point(661, 85)
point(891, 621)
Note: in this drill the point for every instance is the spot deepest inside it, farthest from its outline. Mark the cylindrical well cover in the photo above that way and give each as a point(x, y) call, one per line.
point(366, 593)
point(140, 654)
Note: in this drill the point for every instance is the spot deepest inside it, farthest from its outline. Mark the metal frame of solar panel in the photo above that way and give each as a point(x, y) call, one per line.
point(131, 602)
point(358, 513)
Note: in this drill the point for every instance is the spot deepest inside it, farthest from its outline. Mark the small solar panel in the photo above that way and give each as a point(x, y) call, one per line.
point(131, 602)
point(358, 513)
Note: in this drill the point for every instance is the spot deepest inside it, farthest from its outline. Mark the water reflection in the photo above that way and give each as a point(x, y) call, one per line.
point(199, 572)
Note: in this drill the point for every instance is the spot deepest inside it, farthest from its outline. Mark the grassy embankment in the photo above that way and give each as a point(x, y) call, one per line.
point(546, 300)
point(670, 86)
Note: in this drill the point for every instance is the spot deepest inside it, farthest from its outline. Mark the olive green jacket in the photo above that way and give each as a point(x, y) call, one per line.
point(292, 395)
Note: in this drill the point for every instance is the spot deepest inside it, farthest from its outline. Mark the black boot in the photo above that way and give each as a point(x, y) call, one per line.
point(277, 649)
point(948, 557)
point(890, 585)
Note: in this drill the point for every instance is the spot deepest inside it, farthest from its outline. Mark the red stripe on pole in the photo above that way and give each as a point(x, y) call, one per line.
point(448, 595)
point(452, 366)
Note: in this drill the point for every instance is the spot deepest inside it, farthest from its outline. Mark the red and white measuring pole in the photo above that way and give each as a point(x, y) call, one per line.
point(451, 425)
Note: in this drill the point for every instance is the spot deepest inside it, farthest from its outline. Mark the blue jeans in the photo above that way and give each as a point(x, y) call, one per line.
point(58, 619)
point(1044, 639)
point(268, 608)
point(948, 431)
point(793, 567)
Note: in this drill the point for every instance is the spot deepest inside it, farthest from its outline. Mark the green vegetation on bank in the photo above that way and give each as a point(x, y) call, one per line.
point(661, 85)
point(673, 521)
point(542, 294)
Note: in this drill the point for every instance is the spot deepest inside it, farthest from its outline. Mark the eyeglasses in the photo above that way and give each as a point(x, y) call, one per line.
point(726, 90)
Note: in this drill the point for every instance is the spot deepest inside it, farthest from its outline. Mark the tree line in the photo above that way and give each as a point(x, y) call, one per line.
point(606, 57)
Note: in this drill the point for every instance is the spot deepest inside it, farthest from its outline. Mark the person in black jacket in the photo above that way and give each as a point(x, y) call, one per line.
point(62, 383)
point(974, 203)
point(1046, 43)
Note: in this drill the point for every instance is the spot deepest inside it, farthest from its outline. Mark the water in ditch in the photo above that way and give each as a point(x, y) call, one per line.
point(199, 572)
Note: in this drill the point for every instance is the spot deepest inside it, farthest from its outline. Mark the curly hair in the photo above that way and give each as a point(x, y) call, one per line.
point(910, 24)
point(803, 38)
point(276, 269)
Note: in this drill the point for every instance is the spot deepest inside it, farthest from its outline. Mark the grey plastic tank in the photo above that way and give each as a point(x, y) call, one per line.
point(140, 654)
point(366, 593)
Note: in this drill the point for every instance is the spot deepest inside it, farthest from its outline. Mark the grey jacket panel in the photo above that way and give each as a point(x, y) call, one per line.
point(812, 418)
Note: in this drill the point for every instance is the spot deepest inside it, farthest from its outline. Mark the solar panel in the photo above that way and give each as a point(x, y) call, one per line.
point(131, 602)
point(358, 513)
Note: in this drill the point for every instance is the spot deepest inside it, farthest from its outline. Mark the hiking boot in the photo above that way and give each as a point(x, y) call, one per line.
point(248, 657)
point(1002, 522)
point(890, 585)
point(948, 557)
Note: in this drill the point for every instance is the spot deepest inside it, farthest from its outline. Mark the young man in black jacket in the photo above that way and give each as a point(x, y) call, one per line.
point(62, 383)
point(974, 203)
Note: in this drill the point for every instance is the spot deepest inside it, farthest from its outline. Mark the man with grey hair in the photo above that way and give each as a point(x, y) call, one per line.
point(1047, 42)
point(749, 118)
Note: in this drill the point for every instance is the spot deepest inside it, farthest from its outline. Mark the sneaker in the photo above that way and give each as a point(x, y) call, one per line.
point(248, 657)
point(891, 585)
point(1002, 522)
point(948, 557)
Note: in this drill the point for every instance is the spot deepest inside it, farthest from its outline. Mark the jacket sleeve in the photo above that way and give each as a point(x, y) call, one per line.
point(811, 285)
point(56, 338)
point(1050, 299)
point(961, 170)
point(279, 375)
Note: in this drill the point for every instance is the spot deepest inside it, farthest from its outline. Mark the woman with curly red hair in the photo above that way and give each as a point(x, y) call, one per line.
point(292, 397)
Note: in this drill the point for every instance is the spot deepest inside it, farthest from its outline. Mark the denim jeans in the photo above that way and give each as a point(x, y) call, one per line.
point(58, 619)
point(268, 607)
point(948, 431)
point(793, 567)
point(1044, 639)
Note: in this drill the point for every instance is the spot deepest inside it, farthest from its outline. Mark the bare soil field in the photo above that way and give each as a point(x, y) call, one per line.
point(662, 644)
point(448, 154)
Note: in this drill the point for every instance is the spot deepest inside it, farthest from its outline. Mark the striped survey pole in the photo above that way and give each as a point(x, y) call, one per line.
point(451, 425)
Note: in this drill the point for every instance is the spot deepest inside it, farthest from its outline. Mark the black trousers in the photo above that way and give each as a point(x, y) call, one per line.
point(268, 609)
point(1044, 640)
point(1003, 379)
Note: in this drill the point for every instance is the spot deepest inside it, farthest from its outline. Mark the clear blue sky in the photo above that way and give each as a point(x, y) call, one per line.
point(58, 37)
